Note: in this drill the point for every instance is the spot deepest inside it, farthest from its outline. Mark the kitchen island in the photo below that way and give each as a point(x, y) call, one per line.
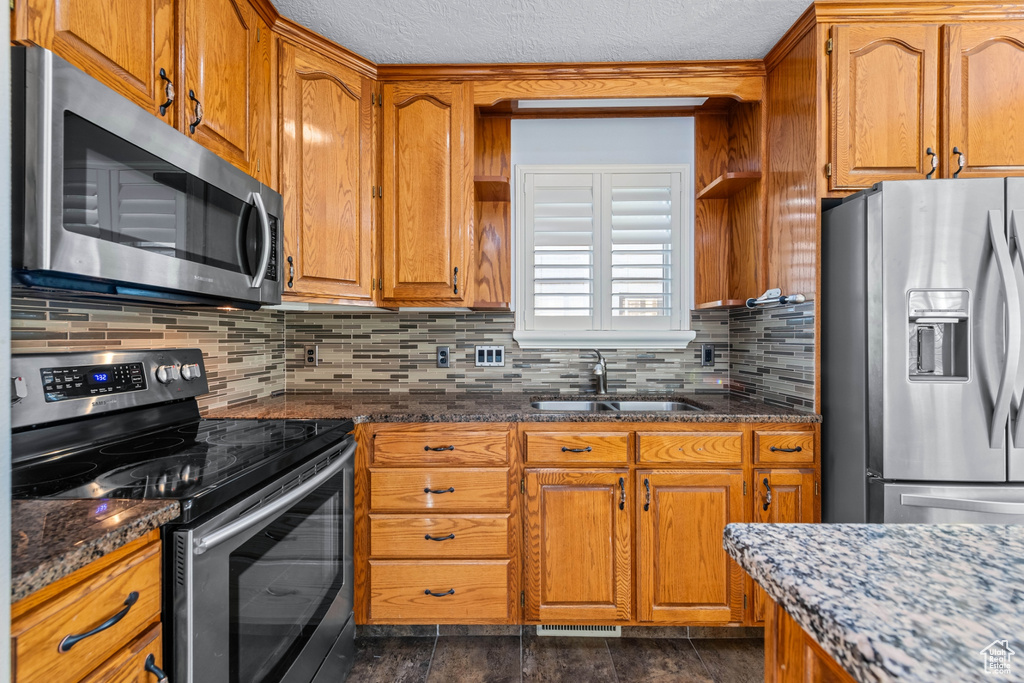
point(914, 603)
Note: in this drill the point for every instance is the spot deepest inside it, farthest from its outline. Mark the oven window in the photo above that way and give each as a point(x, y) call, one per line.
point(117, 192)
point(282, 581)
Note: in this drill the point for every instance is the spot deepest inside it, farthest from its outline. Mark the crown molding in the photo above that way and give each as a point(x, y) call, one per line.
point(568, 71)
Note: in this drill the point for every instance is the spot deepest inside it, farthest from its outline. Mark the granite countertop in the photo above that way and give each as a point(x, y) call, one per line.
point(501, 407)
point(906, 602)
point(52, 538)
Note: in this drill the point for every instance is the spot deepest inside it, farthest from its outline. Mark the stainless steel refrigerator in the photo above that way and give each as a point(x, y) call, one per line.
point(922, 369)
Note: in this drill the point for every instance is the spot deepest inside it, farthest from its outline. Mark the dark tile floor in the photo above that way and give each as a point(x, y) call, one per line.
point(528, 658)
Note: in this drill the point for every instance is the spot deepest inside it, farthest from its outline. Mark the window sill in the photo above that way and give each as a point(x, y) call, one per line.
point(618, 339)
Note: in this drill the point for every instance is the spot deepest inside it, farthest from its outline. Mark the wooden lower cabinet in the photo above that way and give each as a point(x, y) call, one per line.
point(782, 496)
point(578, 545)
point(139, 662)
point(627, 532)
point(683, 573)
point(127, 582)
point(792, 656)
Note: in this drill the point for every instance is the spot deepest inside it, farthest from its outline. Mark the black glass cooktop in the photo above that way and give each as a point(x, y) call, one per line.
point(203, 463)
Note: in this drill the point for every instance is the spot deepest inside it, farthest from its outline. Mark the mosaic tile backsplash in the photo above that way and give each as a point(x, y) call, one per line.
point(376, 352)
point(244, 350)
point(767, 354)
point(772, 354)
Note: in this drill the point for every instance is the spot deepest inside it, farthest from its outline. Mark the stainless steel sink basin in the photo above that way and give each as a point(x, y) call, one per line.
point(615, 406)
point(653, 406)
point(573, 406)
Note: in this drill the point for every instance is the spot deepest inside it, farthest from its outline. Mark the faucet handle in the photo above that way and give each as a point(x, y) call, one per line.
point(600, 358)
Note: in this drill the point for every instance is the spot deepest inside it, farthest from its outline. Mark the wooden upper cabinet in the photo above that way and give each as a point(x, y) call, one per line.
point(578, 545)
point(122, 43)
point(225, 90)
point(884, 103)
point(984, 98)
point(326, 175)
point(427, 195)
point(685, 576)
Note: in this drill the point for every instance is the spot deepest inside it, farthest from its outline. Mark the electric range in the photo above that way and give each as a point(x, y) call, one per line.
point(258, 568)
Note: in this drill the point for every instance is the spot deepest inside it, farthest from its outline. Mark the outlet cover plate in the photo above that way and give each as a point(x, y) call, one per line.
point(444, 357)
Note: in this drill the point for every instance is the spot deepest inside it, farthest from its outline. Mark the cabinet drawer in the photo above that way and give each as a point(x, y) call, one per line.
point(470, 592)
point(406, 536)
point(437, 488)
point(691, 447)
point(129, 664)
point(37, 634)
point(441, 447)
point(772, 448)
point(543, 448)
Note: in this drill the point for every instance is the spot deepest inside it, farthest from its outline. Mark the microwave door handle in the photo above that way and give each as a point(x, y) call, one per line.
point(1016, 228)
point(215, 538)
point(1001, 252)
point(995, 507)
point(261, 269)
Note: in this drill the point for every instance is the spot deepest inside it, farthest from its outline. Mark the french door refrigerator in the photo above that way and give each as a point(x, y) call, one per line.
point(922, 369)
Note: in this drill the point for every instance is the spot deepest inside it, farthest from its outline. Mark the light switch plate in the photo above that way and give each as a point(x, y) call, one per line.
point(707, 355)
point(490, 356)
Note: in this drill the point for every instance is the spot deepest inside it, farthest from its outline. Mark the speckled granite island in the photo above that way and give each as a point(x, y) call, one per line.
point(502, 407)
point(908, 603)
point(53, 538)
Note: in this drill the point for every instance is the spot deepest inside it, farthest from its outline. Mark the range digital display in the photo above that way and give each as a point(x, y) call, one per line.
point(82, 382)
point(100, 377)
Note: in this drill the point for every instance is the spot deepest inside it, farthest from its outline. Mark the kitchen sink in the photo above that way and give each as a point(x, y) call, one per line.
point(615, 406)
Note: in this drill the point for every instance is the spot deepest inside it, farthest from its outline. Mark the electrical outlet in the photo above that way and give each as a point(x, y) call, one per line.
point(444, 357)
point(490, 356)
point(312, 354)
point(707, 355)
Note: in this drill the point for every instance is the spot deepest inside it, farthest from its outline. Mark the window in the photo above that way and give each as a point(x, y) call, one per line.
point(604, 256)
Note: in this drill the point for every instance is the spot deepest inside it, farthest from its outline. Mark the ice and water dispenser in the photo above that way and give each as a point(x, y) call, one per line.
point(939, 339)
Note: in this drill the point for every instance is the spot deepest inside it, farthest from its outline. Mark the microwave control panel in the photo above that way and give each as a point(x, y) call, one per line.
point(60, 384)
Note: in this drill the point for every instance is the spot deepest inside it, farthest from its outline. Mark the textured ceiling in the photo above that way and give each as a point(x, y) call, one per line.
point(483, 31)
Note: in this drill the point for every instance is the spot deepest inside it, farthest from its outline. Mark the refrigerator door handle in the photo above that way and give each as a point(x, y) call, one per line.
point(996, 507)
point(1016, 228)
point(1001, 250)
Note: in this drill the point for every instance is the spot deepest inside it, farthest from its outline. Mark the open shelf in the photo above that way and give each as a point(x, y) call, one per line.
point(492, 188)
point(728, 184)
point(724, 303)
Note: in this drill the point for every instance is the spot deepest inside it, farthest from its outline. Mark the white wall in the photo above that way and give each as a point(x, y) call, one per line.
point(667, 140)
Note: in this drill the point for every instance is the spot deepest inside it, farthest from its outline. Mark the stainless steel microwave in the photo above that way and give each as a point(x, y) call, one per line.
point(109, 200)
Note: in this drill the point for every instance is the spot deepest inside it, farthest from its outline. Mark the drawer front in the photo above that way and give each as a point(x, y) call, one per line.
point(464, 592)
point(441, 536)
point(441, 447)
point(692, 447)
point(442, 489)
point(37, 635)
point(772, 448)
point(129, 664)
point(554, 448)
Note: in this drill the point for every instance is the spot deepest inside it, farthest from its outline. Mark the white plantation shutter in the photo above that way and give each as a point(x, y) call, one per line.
point(604, 254)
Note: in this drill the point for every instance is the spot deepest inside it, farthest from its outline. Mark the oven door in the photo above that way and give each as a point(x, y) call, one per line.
point(263, 591)
point(118, 202)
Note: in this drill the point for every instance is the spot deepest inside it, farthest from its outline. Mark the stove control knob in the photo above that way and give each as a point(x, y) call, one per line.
point(190, 372)
point(165, 374)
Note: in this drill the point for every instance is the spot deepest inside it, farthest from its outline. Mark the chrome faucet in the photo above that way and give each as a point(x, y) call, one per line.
point(601, 372)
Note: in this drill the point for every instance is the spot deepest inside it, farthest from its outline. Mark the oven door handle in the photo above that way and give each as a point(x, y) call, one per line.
point(215, 538)
point(261, 269)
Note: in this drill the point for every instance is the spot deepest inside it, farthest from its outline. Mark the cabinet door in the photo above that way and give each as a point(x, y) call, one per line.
point(884, 103)
point(984, 98)
point(122, 43)
point(685, 574)
point(326, 175)
point(225, 92)
point(428, 194)
point(782, 497)
point(578, 546)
